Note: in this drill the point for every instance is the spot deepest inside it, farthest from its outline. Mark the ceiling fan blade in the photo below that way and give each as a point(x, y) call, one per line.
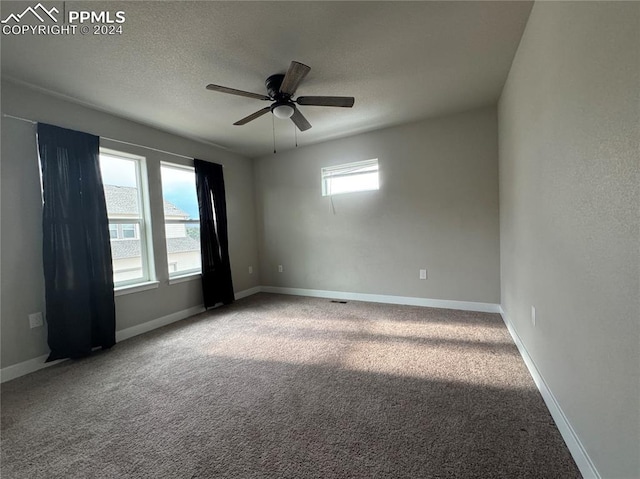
point(233, 91)
point(300, 121)
point(296, 72)
point(253, 116)
point(343, 101)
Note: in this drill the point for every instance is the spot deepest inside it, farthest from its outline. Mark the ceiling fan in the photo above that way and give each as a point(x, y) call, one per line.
point(281, 89)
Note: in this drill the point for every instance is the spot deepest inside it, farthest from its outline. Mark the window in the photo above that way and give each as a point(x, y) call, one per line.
point(359, 176)
point(129, 231)
point(181, 218)
point(128, 211)
point(123, 231)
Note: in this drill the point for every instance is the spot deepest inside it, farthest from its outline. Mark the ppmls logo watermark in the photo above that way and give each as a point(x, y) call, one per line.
point(40, 20)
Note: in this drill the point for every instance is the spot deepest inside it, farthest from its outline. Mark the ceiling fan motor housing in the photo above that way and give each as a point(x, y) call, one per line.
point(283, 107)
point(273, 84)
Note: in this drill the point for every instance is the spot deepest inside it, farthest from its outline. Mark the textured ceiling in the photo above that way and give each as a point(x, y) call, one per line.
point(402, 61)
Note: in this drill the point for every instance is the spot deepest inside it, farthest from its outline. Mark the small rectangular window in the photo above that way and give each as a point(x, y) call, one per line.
point(351, 177)
point(127, 209)
point(181, 218)
point(129, 231)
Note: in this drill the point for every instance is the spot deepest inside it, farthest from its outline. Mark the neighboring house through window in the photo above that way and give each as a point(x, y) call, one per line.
point(128, 212)
point(127, 199)
point(182, 219)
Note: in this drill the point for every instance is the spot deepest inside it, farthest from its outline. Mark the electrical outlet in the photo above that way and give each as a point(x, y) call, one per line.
point(423, 274)
point(36, 320)
point(250, 269)
point(533, 315)
point(280, 268)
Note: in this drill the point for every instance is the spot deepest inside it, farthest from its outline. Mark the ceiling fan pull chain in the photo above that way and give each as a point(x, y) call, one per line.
point(273, 124)
point(295, 134)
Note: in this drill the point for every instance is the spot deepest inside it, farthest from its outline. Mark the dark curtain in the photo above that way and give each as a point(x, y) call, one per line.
point(80, 307)
point(214, 242)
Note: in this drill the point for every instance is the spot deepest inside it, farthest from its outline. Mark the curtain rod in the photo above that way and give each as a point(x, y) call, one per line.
point(33, 122)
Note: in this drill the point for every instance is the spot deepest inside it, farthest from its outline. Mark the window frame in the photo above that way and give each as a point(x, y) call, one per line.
point(329, 172)
point(143, 222)
point(184, 272)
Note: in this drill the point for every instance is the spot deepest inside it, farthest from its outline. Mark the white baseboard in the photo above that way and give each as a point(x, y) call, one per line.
point(381, 298)
point(25, 367)
point(577, 450)
point(248, 292)
point(172, 318)
point(157, 323)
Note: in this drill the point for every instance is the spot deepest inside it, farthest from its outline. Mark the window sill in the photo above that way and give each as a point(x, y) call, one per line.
point(184, 278)
point(135, 288)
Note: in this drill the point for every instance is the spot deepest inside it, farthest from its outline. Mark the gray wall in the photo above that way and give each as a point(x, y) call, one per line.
point(569, 207)
point(21, 276)
point(437, 208)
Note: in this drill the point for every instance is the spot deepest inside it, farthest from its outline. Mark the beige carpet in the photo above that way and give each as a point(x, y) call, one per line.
point(280, 386)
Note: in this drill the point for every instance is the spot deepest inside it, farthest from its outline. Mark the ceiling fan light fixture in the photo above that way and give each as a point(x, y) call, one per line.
point(281, 88)
point(283, 111)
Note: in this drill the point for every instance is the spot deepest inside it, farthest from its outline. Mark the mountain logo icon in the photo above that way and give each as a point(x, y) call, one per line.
point(34, 11)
